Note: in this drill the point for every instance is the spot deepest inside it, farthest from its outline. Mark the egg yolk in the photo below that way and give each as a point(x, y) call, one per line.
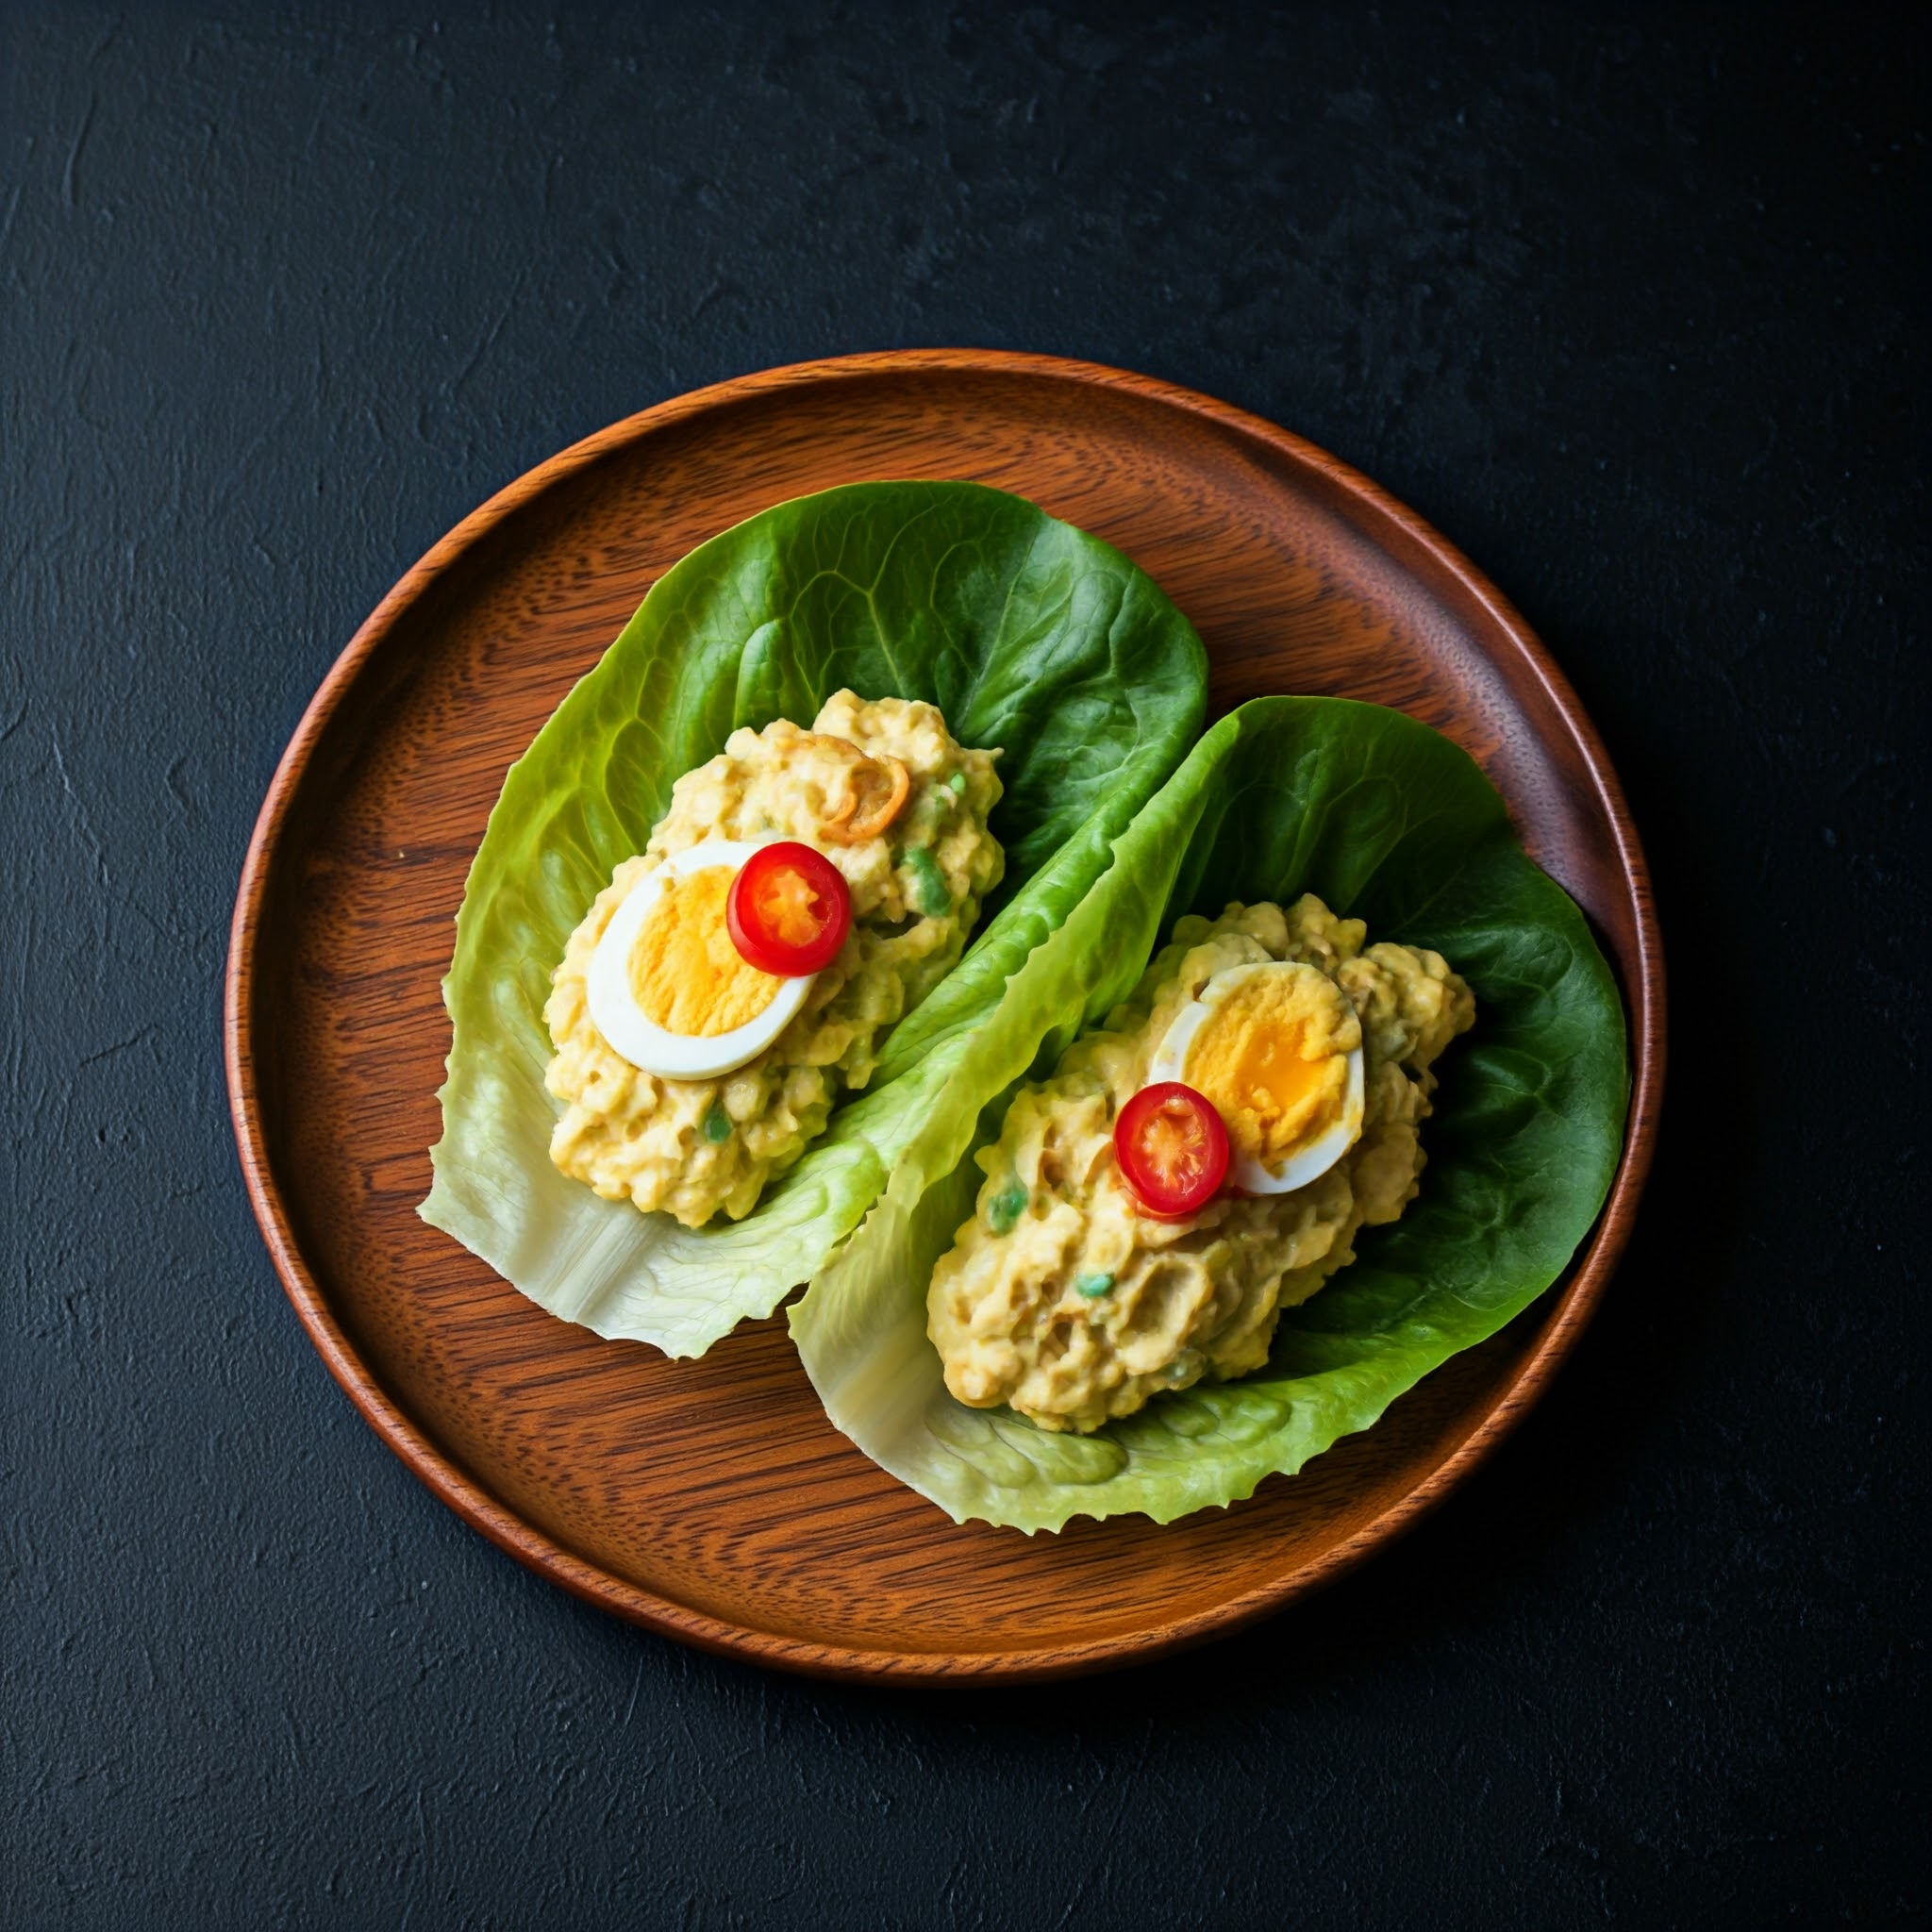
point(685, 974)
point(1272, 1056)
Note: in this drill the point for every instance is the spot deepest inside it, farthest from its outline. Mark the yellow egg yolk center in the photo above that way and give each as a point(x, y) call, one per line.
point(1272, 1056)
point(685, 974)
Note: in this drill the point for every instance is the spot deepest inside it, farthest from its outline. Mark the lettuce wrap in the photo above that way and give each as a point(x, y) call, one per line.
point(1389, 821)
point(1028, 635)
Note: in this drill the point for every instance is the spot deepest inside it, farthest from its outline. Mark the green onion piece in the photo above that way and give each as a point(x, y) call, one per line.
point(1094, 1286)
point(717, 1123)
point(1005, 1207)
point(957, 784)
point(929, 893)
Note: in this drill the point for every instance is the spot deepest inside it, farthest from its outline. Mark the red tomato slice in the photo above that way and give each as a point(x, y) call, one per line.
point(1172, 1146)
point(788, 910)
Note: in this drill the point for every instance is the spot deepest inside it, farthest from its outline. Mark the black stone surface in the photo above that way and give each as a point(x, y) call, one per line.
point(1631, 304)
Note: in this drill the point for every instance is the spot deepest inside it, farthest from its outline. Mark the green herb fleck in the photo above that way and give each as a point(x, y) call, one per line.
point(1094, 1286)
point(929, 893)
point(717, 1123)
point(1005, 1207)
point(957, 784)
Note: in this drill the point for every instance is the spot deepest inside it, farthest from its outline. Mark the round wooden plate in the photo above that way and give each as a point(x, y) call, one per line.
point(711, 1500)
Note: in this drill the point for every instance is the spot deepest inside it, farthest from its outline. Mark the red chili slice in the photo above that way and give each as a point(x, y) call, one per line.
point(788, 910)
point(1172, 1146)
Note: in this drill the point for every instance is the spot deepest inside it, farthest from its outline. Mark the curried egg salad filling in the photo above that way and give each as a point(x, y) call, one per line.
point(1064, 1298)
point(882, 790)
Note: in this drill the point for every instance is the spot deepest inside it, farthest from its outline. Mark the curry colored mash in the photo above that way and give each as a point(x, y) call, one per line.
point(696, 1147)
point(1062, 1300)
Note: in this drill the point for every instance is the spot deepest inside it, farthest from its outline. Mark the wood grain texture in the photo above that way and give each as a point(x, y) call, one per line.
point(711, 1500)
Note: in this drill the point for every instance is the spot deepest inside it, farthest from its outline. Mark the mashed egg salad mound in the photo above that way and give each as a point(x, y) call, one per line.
point(1069, 1302)
point(883, 792)
point(775, 943)
point(1110, 1305)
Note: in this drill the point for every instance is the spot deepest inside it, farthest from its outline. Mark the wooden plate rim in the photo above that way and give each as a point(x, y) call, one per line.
point(1576, 1301)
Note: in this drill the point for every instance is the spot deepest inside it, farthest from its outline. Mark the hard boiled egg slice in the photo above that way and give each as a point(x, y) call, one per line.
point(1277, 1048)
point(668, 988)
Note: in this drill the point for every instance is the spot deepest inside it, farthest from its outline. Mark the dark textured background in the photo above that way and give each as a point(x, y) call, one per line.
point(1631, 306)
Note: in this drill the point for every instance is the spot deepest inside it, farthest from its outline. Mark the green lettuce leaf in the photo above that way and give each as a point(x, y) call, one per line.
point(1389, 821)
point(1027, 634)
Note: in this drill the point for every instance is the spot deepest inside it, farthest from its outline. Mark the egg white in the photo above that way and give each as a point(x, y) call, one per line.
point(614, 1010)
point(1243, 1169)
